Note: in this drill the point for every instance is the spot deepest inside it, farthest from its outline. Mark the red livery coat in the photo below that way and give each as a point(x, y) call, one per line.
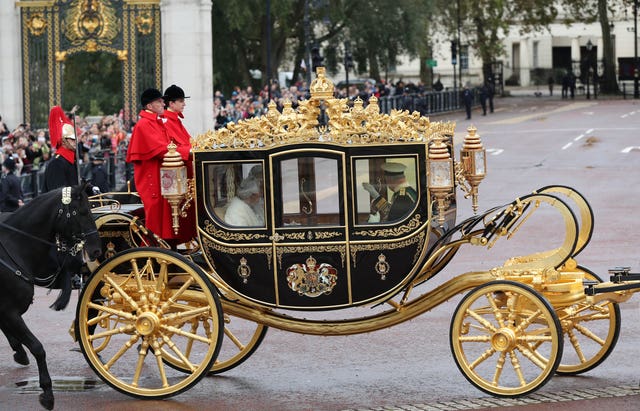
point(146, 150)
point(181, 137)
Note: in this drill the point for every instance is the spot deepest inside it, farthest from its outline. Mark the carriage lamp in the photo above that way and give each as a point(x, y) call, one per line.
point(173, 182)
point(474, 163)
point(440, 174)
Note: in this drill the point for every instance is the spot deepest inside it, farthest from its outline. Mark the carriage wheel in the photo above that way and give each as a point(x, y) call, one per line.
point(590, 332)
point(139, 304)
point(491, 335)
point(241, 339)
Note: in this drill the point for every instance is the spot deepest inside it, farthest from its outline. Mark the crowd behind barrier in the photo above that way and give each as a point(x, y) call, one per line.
point(108, 136)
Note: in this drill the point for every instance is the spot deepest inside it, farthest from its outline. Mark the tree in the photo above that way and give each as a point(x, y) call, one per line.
point(486, 22)
point(589, 11)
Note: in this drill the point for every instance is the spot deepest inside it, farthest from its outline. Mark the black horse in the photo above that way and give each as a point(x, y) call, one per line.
point(36, 242)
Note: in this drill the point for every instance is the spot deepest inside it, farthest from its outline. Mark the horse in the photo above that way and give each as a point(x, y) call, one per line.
point(32, 241)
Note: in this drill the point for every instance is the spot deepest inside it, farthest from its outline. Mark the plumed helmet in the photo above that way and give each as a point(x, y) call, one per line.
point(59, 126)
point(173, 93)
point(149, 95)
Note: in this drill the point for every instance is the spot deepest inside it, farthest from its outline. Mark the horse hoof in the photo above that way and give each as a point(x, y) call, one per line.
point(46, 400)
point(21, 358)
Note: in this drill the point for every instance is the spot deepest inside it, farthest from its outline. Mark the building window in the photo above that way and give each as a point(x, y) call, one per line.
point(535, 54)
point(464, 57)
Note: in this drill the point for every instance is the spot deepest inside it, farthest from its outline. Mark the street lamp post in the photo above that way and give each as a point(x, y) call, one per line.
point(636, 92)
point(589, 70)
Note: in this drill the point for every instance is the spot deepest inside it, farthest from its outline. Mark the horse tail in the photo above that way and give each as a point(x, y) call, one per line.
point(65, 292)
point(68, 264)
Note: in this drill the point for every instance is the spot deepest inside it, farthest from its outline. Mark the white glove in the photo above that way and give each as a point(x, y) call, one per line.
point(374, 218)
point(96, 190)
point(372, 191)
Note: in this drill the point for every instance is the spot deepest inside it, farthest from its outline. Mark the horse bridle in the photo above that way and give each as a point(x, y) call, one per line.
point(79, 241)
point(61, 245)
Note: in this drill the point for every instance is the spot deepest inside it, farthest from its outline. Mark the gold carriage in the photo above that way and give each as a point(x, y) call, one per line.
point(325, 208)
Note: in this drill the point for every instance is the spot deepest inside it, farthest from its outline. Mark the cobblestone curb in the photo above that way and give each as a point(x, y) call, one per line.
point(495, 402)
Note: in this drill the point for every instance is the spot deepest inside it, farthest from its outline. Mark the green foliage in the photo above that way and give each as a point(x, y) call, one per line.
point(92, 81)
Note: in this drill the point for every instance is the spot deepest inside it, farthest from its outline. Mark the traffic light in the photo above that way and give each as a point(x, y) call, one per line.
point(454, 52)
point(348, 61)
point(316, 58)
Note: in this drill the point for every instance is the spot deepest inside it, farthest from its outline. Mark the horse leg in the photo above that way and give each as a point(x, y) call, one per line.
point(25, 337)
point(20, 355)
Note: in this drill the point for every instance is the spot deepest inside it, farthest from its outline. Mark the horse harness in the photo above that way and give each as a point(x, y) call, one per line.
point(61, 244)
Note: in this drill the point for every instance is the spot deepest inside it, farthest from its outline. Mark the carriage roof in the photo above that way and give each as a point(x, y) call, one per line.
point(324, 119)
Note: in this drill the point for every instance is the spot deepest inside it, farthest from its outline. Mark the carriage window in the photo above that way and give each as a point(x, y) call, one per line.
point(385, 188)
point(309, 191)
point(236, 193)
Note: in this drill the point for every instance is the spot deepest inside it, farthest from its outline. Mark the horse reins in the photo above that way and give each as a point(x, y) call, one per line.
point(61, 245)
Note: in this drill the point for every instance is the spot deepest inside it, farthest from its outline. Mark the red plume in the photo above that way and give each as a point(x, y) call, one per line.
point(56, 119)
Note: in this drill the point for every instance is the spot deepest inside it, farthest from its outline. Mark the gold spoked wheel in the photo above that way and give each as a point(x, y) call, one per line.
point(141, 304)
point(492, 333)
point(241, 339)
point(590, 332)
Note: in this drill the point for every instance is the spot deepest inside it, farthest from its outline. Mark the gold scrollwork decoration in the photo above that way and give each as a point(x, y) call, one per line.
point(144, 23)
point(37, 24)
point(393, 232)
point(60, 56)
point(115, 234)
point(295, 236)
point(210, 245)
point(346, 126)
point(417, 239)
point(323, 235)
point(230, 236)
point(92, 22)
point(280, 251)
point(122, 55)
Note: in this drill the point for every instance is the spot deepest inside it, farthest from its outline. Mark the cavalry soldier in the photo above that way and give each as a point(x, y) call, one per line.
point(146, 150)
point(174, 106)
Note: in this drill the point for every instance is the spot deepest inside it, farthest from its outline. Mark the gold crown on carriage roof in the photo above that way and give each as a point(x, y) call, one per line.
point(345, 125)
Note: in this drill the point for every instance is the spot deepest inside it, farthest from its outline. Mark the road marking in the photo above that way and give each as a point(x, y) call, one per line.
point(495, 151)
point(568, 107)
point(578, 138)
point(629, 149)
point(566, 146)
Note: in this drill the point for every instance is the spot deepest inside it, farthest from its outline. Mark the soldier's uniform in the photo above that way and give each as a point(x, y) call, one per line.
point(403, 199)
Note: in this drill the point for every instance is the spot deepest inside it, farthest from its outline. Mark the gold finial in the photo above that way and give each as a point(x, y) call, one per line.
point(172, 158)
point(472, 139)
point(321, 87)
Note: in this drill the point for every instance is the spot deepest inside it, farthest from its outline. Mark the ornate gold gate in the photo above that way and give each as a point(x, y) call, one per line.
point(52, 30)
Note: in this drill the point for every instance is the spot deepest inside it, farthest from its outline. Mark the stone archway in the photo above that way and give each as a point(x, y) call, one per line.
point(53, 30)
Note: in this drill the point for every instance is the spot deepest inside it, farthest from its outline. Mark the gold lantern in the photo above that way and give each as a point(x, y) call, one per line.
point(474, 163)
point(440, 174)
point(173, 182)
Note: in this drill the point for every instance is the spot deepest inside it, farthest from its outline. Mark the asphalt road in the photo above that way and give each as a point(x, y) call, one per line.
point(591, 146)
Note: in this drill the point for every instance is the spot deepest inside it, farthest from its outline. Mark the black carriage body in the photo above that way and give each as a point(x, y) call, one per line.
point(316, 247)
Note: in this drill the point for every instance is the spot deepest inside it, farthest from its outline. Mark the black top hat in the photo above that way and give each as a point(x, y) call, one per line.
point(149, 95)
point(173, 93)
point(9, 164)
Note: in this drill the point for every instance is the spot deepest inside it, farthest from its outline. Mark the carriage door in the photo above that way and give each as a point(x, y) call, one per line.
point(308, 228)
